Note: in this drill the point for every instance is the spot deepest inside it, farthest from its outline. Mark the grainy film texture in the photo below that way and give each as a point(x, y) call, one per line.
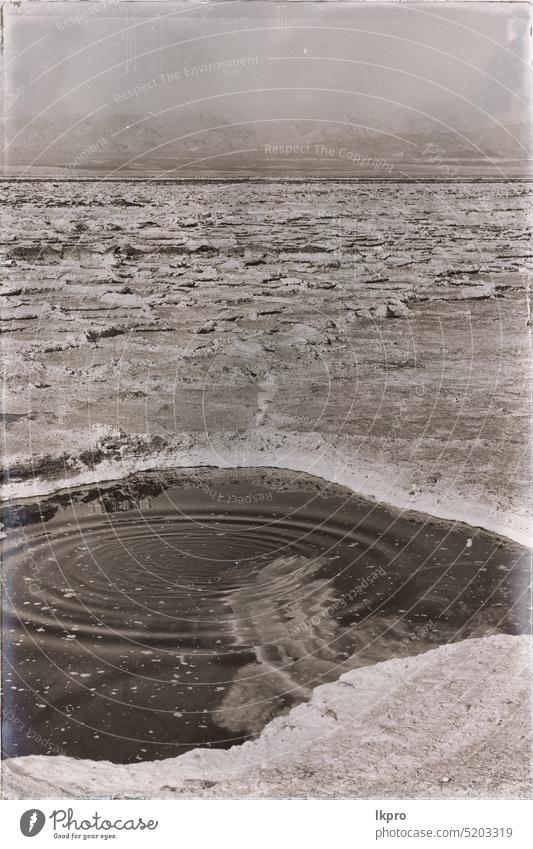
point(265, 335)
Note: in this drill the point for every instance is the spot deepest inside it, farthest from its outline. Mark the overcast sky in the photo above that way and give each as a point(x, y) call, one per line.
point(399, 69)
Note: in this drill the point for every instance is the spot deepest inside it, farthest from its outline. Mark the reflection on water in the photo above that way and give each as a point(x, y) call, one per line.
point(188, 608)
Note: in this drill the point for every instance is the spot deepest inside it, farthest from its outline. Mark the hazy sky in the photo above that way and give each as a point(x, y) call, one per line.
point(78, 71)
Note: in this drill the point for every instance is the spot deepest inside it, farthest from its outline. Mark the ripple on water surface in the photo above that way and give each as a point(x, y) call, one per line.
point(184, 609)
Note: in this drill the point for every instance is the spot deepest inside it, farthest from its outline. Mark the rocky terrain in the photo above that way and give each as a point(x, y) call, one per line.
point(373, 333)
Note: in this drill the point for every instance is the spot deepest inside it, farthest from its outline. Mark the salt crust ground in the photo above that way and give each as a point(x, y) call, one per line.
point(273, 327)
point(451, 723)
point(311, 453)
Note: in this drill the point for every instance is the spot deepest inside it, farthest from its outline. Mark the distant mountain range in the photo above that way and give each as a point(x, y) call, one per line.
point(203, 143)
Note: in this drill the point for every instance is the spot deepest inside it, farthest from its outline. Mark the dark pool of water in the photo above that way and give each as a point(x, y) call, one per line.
point(188, 608)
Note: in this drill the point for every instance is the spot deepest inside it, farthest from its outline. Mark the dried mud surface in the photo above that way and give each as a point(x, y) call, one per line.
point(370, 333)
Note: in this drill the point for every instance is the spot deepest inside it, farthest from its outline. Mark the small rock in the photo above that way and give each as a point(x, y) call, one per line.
point(397, 310)
point(230, 265)
point(480, 292)
point(208, 327)
point(207, 274)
